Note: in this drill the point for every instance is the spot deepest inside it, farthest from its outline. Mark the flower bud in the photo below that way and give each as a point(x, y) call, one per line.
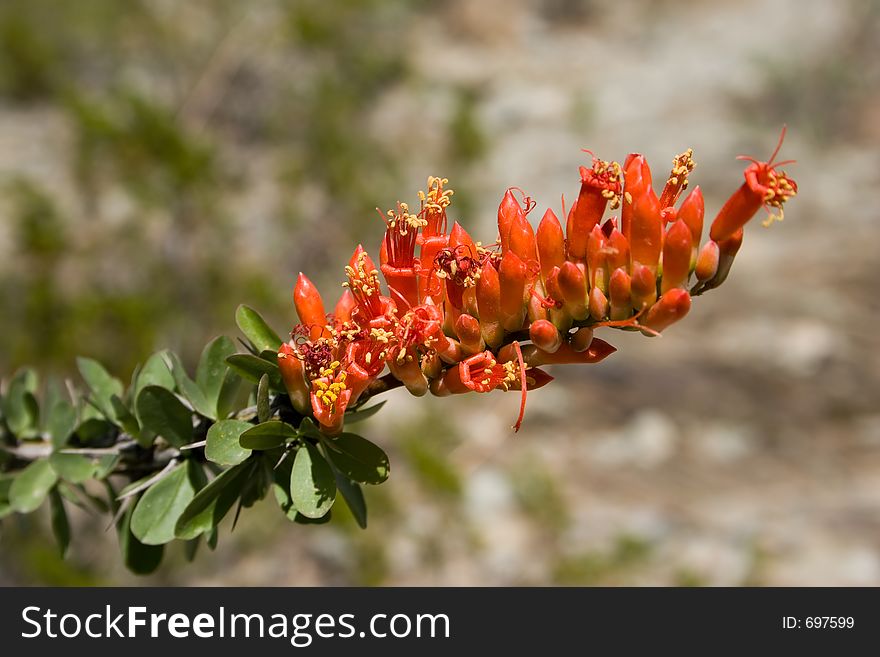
point(573, 285)
point(646, 239)
point(292, 374)
point(676, 256)
point(346, 303)
point(551, 243)
point(643, 287)
point(707, 261)
point(581, 339)
point(467, 329)
point(508, 211)
point(670, 308)
point(637, 183)
point(513, 276)
point(545, 336)
point(691, 212)
point(619, 290)
point(489, 305)
point(309, 306)
point(598, 304)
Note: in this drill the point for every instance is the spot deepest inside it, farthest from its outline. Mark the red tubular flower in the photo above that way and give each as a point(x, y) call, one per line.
point(330, 397)
point(433, 237)
point(677, 247)
point(646, 238)
point(551, 243)
point(513, 277)
point(363, 281)
point(764, 186)
point(458, 265)
point(670, 308)
point(637, 183)
point(600, 185)
point(545, 336)
point(619, 291)
point(310, 307)
point(677, 182)
point(573, 285)
point(292, 374)
point(489, 305)
point(397, 255)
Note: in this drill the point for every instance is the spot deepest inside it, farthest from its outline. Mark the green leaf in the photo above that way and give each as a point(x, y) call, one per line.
point(256, 330)
point(74, 468)
point(281, 487)
point(61, 422)
point(124, 417)
point(213, 502)
point(274, 433)
point(363, 413)
point(222, 445)
point(93, 430)
point(54, 393)
point(155, 372)
point(102, 385)
point(354, 498)
point(31, 486)
point(264, 411)
point(358, 458)
point(160, 506)
point(228, 393)
point(188, 388)
point(19, 406)
point(60, 524)
point(6, 483)
point(312, 484)
point(163, 413)
point(252, 368)
point(212, 368)
point(139, 558)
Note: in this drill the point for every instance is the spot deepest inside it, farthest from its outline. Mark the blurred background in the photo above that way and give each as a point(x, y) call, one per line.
point(161, 162)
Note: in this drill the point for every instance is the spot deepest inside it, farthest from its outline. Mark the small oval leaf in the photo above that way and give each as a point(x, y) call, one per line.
point(358, 458)
point(163, 413)
point(160, 506)
point(312, 484)
point(213, 502)
point(222, 444)
point(267, 435)
point(256, 329)
point(73, 468)
point(31, 486)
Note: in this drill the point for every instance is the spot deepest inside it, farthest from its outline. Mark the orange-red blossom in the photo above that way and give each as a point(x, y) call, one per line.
point(457, 316)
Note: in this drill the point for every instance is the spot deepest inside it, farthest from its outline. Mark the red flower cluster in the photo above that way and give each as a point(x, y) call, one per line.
point(454, 311)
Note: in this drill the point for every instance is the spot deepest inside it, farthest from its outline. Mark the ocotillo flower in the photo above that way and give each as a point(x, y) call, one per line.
point(462, 318)
point(764, 186)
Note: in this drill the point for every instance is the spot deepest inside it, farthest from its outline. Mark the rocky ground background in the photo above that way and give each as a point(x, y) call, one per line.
point(741, 448)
